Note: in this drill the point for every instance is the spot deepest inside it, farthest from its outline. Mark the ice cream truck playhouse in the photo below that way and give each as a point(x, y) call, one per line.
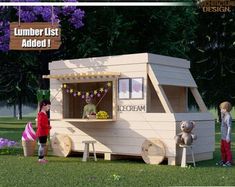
point(140, 101)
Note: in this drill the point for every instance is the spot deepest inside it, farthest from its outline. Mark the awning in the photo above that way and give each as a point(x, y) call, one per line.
point(79, 76)
point(172, 76)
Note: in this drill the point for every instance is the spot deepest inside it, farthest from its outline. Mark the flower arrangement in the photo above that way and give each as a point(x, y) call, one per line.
point(8, 147)
point(7, 143)
point(102, 115)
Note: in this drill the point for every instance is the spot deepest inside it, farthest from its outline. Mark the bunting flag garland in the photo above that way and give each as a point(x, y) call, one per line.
point(83, 94)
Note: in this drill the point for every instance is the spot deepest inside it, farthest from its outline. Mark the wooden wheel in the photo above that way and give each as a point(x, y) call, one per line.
point(153, 151)
point(61, 145)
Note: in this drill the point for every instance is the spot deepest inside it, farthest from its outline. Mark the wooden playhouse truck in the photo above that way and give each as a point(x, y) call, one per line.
point(145, 96)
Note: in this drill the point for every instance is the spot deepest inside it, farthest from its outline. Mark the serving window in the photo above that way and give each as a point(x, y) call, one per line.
point(101, 97)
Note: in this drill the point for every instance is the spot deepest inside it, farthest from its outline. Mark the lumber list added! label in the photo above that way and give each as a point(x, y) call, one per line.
point(34, 36)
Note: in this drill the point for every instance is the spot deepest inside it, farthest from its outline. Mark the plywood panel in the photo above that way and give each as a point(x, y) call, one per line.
point(203, 148)
point(55, 115)
point(110, 139)
point(147, 116)
point(132, 150)
point(132, 102)
point(173, 76)
point(202, 132)
point(126, 125)
point(55, 110)
point(117, 149)
point(100, 61)
point(107, 142)
point(177, 97)
point(120, 132)
point(86, 80)
point(200, 125)
point(124, 137)
point(168, 61)
point(124, 69)
point(172, 73)
point(142, 117)
point(121, 60)
point(169, 69)
point(204, 140)
point(204, 156)
point(54, 82)
point(194, 116)
point(118, 125)
point(175, 82)
point(56, 91)
point(131, 116)
point(118, 140)
point(197, 156)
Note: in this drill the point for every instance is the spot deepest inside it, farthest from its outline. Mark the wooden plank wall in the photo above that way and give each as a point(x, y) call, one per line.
point(127, 135)
point(57, 101)
point(204, 146)
point(177, 97)
point(124, 136)
point(133, 70)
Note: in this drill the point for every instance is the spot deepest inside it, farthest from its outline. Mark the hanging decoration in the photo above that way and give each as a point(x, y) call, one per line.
point(83, 94)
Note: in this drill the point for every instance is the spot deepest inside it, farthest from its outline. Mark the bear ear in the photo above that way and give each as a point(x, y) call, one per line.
point(193, 123)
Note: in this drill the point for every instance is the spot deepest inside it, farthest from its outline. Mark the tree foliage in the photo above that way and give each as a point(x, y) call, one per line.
point(213, 57)
point(122, 30)
point(22, 71)
point(110, 31)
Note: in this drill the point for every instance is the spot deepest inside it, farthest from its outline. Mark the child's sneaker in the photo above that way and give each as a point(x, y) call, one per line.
point(220, 163)
point(42, 161)
point(227, 164)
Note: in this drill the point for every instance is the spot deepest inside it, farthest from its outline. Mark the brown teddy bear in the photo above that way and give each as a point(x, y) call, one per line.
point(186, 137)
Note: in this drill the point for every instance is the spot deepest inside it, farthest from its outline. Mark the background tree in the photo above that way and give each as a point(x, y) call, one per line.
point(17, 82)
point(213, 57)
point(22, 71)
point(122, 30)
point(117, 30)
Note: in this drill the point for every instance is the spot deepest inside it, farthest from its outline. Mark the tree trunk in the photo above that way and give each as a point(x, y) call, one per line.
point(218, 113)
point(14, 110)
point(20, 108)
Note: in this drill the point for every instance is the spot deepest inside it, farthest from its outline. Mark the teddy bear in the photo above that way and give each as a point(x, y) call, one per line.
point(186, 137)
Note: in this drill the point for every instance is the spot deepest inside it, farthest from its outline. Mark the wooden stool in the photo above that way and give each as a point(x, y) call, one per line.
point(184, 155)
point(86, 150)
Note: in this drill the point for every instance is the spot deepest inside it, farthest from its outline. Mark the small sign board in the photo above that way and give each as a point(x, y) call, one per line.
point(35, 36)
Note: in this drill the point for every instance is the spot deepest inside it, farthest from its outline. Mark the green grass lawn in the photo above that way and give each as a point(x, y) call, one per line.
point(17, 170)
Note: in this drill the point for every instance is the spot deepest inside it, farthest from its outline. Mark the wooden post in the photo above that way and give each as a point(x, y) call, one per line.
point(107, 156)
point(198, 99)
point(160, 92)
point(114, 90)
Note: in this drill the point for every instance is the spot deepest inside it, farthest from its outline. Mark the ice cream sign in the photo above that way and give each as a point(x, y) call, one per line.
point(35, 36)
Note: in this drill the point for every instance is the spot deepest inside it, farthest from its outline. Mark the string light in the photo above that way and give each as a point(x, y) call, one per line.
point(83, 94)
